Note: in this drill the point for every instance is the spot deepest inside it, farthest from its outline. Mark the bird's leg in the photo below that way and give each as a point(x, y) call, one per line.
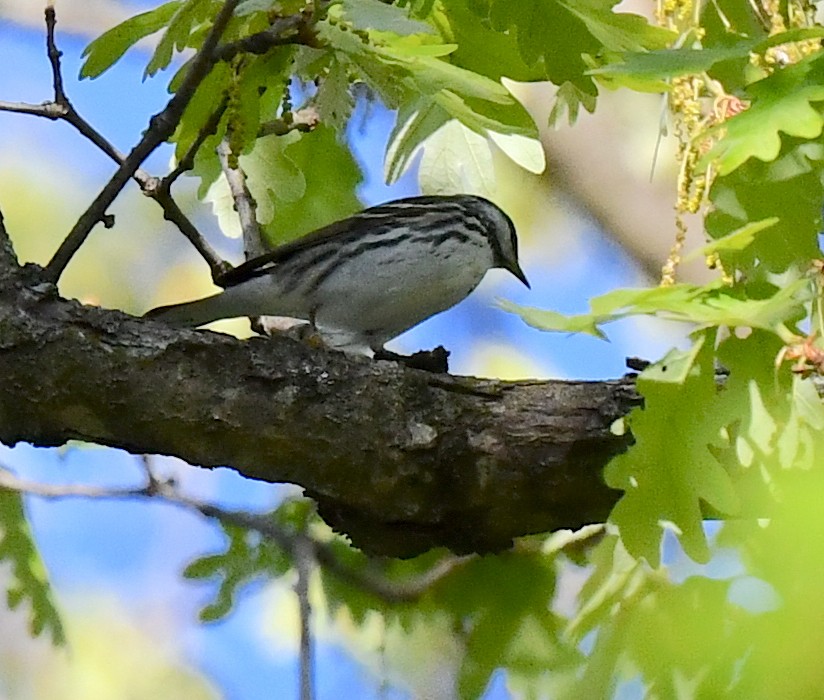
point(310, 334)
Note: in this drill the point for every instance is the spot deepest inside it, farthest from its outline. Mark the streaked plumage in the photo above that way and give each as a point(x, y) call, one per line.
point(368, 278)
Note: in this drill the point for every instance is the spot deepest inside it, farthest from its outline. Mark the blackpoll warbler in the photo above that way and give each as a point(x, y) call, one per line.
point(363, 280)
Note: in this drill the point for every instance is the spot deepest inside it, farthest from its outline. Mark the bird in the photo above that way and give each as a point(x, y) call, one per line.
point(363, 280)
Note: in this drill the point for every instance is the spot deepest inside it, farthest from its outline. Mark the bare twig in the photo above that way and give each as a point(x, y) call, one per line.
point(161, 127)
point(61, 108)
point(303, 549)
point(172, 212)
point(65, 111)
point(158, 189)
point(54, 55)
point(50, 110)
point(245, 204)
point(35, 488)
point(188, 161)
point(304, 563)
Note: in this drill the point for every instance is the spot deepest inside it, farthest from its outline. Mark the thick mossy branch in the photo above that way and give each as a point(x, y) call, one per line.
point(399, 459)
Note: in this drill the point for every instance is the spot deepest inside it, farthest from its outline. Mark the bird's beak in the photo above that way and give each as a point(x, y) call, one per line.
point(516, 270)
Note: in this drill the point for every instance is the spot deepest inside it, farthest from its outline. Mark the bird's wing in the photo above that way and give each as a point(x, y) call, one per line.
point(384, 216)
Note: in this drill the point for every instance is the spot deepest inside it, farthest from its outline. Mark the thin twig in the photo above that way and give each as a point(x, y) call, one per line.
point(304, 563)
point(172, 212)
point(161, 127)
point(188, 161)
point(49, 110)
point(157, 189)
point(61, 108)
point(65, 111)
point(369, 579)
point(245, 204)
point(35, 488)
point(54, 55)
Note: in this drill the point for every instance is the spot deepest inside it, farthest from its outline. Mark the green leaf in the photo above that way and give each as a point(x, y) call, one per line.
point(272, 177)
point(546, 320)
point(807, 402)
point(546, 30)
point(334, 100)
point(456, 159)
point(206, 98)
point(502, 604)
point(418, 8)
point(700, 659)
point(669, 470)
point(204, 567)
point(615, 576)
point(330, 175)
point(676, 366)
point(482, 49)
point(570, 98)
point(29, 580)
point(417, 120)
point(789, 188)
point(374, 15)
point(738, 240)
point(437, 89)
point(669, 63)
point(249, 7)
point(562, 35)
point(431, 75)
point(247, 557)
point(662, 64)
point(782, 102)
point(187, 17)
point(759, 428)
point(482, 117)
point(102, 53)
point(712, 305)
point(619, 31)
point(525, 151)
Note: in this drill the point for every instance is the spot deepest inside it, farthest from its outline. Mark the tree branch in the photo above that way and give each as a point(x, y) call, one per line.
point(60, 107)
point(161, 127)
point(401, 460)
point(245, 204)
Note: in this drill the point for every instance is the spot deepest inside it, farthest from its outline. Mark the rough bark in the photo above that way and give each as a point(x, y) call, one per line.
point(399, 459)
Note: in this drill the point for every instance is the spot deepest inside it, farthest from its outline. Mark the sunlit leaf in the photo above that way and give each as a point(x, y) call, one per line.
point(105, 51)
point(29, 581)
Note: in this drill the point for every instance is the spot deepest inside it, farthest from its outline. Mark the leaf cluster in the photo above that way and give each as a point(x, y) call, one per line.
point(440, 64)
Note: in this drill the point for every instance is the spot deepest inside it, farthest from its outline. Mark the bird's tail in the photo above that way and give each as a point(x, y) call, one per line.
point(192, 313)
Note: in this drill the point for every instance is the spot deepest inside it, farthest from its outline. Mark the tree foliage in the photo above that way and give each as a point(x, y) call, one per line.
point(731, 426)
